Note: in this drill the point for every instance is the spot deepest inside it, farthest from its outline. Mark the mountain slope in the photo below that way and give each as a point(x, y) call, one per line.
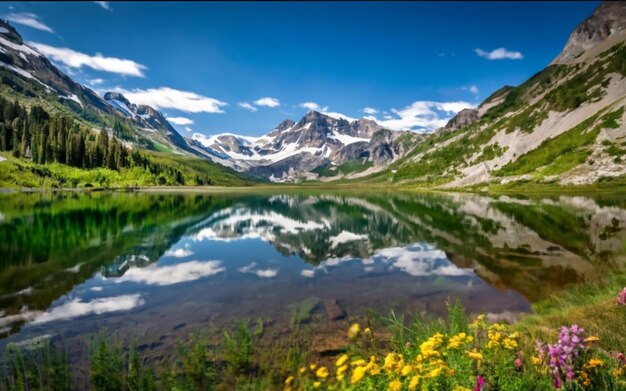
point(565, 124)
point(31, 80)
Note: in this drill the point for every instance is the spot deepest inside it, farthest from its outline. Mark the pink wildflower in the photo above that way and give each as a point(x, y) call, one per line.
point(621, 297)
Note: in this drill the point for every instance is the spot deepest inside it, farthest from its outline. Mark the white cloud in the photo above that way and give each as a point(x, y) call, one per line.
point(499, 54)
point(370, 110)
point(247, 106)
point(178, 253)
point(95, 82)
point(423, 115)
point(76, 308)
point(170, 98)
point(104, 4)
point(74, 59)
point(180, 120)
point(420, 260)
point(263, 273)
point(172, 274)
point(188, 129)
point(28, 19)
point(267, 101)
point(313, 106)
point(307, 273)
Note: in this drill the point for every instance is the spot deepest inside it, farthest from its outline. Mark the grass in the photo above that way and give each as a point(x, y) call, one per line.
point(17, 173)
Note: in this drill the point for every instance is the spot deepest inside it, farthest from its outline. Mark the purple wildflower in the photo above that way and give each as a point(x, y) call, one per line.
point(621, 297)
point(480, 383)
point(561, 355)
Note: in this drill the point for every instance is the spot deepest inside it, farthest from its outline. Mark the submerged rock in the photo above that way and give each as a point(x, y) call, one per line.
point(333, 310)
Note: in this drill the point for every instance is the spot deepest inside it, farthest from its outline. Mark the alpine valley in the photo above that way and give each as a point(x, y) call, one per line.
point(563, 126)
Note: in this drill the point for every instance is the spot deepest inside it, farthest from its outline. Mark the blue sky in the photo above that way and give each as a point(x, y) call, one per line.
point(206, 64)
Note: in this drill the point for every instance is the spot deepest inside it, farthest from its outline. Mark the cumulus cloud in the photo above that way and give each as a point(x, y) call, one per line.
point(170, 98)
point(95, 82)
point(313, 106)
point(423, 116)
point(247, 106)
point(263, 273)
point(179, 253)
point(370, 110)
point(172, 274)
point(499, 54)
point(104, 4)
point(28, 19)
point(180, 120)
point(76, 308)
point(420, 260)
point(267, 101)
point(74, 59)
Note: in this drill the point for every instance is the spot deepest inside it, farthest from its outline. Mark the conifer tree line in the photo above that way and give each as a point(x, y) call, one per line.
point(43, 138)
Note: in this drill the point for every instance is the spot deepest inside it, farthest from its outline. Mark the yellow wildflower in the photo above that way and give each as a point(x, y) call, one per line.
point(354, 331)
point(415, 380)
point(479, 323)
point(617, 372)
point(460, 388)
point(317, 384)
point(395, 385)
point(475, 355)
point(289, 380)
point(434, 373)
point(509, 343)
point(594, 362)
point(373, 368)
point(390, 361)
point(367, 331)
point(592, 339)
point(322, 373)
point(430, 346)
point(341, 360)
point(312, 366)
point(302, 370)
point(535, 360)
point(585, 378)
point(459, 339)
point(357, 375)
point(358, 362)
point(406, 370)
point(341, 372)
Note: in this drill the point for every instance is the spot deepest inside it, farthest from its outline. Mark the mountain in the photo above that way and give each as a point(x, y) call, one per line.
point(315, 147)
point(564, 125)
point(148, 119)
point(37, 77)
point(29, 79)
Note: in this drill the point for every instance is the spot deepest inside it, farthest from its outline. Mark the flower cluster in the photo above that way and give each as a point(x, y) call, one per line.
point(489, 353)
point(621, 297)
point(561, 356)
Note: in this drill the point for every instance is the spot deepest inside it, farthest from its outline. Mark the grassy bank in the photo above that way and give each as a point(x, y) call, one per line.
point(462, 352)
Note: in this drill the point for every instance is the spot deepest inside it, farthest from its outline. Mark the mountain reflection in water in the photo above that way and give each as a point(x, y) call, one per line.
point(153, 265)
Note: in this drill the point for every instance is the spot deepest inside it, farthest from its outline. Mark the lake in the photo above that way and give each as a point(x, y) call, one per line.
point(152, 267)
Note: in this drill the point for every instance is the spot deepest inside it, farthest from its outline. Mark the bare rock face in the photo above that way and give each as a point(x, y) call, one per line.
point(463, 118)
point(607, 20)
